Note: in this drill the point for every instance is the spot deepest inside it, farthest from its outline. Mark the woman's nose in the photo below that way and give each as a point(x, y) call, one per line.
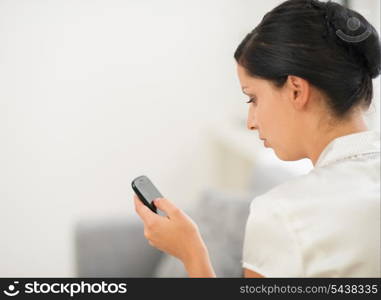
point(251, 126)
point(251, 122)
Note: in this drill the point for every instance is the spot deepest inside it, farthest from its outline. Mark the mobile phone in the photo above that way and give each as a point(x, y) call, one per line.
point(146, 191)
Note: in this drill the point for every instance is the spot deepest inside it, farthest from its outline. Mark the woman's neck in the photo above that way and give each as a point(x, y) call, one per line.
point(324, 137)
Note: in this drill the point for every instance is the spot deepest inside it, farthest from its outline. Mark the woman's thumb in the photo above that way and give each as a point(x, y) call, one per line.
point(165, 205)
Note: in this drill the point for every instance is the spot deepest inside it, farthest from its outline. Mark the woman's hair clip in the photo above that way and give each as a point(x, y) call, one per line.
point(354, 24)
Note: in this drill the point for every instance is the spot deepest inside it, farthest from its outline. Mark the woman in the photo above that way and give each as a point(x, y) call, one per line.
point(307, 69)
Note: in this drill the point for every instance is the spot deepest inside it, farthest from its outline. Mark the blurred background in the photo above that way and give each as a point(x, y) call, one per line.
point(96, 93)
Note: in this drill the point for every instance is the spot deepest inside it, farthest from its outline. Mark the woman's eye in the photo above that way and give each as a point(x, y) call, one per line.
point(252, 100)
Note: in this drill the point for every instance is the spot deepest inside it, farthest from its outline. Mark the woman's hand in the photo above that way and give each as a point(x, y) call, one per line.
point(175, 234)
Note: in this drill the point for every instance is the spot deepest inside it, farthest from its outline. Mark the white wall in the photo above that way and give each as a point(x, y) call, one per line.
point(94, 93)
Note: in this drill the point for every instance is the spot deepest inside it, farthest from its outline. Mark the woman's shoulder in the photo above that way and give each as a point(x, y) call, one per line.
point(341, 183)
point(295, 187)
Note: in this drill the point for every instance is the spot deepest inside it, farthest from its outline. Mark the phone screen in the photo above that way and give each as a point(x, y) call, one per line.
point(146, 191)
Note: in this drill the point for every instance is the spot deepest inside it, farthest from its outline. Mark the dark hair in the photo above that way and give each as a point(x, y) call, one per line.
point(334, 48)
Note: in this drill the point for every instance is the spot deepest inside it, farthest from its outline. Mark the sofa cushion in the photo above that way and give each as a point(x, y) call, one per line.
point(113, 247)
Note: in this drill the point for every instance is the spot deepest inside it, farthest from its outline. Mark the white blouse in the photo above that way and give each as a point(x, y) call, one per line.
point(325, 223)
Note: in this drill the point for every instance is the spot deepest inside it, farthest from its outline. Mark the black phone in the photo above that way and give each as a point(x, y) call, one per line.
point(146, 191)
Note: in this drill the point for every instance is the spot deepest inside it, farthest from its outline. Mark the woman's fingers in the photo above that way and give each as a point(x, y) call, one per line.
point(143, 211)
point(147, 215)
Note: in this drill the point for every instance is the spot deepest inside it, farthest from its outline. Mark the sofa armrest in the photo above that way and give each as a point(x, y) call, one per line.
point(113, 248)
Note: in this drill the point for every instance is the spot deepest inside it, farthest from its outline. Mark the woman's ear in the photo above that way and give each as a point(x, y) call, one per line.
point(299, 91)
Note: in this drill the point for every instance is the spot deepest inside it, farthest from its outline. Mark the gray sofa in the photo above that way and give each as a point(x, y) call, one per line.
point(117, 247)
